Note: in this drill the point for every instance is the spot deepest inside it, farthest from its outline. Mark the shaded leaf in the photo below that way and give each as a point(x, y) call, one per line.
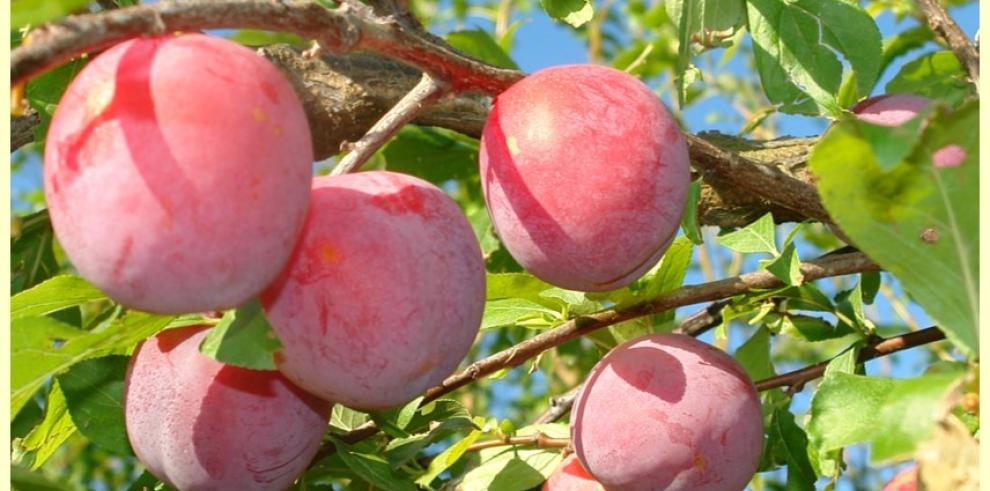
point(243, 338)
point(94, 393)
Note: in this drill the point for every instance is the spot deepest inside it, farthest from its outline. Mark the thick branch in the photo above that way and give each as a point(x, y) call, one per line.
point(798, 378)
point(345, 94)
point(348, 27)
point(943, 25)
point(22, 129)
point(427, 91)
point(828, 266)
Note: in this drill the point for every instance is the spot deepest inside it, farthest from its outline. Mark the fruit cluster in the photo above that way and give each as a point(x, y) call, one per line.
point(178, 174)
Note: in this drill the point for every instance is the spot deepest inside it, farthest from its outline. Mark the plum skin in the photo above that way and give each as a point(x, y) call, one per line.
point(177, 172)
point(668, 412)
point(585, 175)
point(571, 476)
point(384, 294)
point(906, 480)
point(198, 424)
point(890, 109)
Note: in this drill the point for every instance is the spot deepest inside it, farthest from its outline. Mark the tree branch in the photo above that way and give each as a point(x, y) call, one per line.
point(943, 25)
point(428, 90)
point(798, 378)
point(824, 267)
point(561, 405)
point(348, 27)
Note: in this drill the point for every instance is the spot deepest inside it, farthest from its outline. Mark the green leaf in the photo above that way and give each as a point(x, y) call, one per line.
point(512, 311)
point(44, 92)
point(793, 44)
point(35, 12)
point(813, 329)
point(479, 44)
point(515, 285)
point(754, 355)
point(689, 222)
point(447, 458)
point(870, 284)
point(45, 438)
point(515, 468)
point(431, 154)
point(372, 468)
point(790, 445)
point(32, 259)
point(892, 144)
point(42, 347)
point(94, 393)
point(573, 12)
point(575, 303)
point(849, 309)
point(22, 479)
point(892, 415)
point(918, 220)
point(700, 18)
point(243, 338)
point(439, 410)
point(935, 75)
point(758, 236)
point(787, 266)
point(53, 295)
point(346, 419)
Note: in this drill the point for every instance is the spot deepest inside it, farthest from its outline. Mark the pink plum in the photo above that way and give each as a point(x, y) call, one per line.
point(177, 171)
point(198, 424)
point(890, 109)
point(570, 476)
point(585, 175)
point(907, 480)
point(384, 294)
point(668, 412)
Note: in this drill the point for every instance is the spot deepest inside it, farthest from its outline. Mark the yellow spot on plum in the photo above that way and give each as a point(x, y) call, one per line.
point(699, 461)
point(512, 144)
point(100, 97)
point(328, 253)
point(277, 130)
point(259, 114)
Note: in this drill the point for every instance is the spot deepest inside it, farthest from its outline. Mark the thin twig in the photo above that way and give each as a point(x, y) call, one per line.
point(427, 91)
point(559, 406)
point(539, 440)
point(798, 378)
point(960, 44)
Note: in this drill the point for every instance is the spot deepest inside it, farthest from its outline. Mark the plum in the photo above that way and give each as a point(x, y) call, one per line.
point(906, 480)
point(384, 293)
point(177, 172)
point(570, 476)
point(198, 424)
point(585, 175)
point(890, 109)
point(668, 412)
